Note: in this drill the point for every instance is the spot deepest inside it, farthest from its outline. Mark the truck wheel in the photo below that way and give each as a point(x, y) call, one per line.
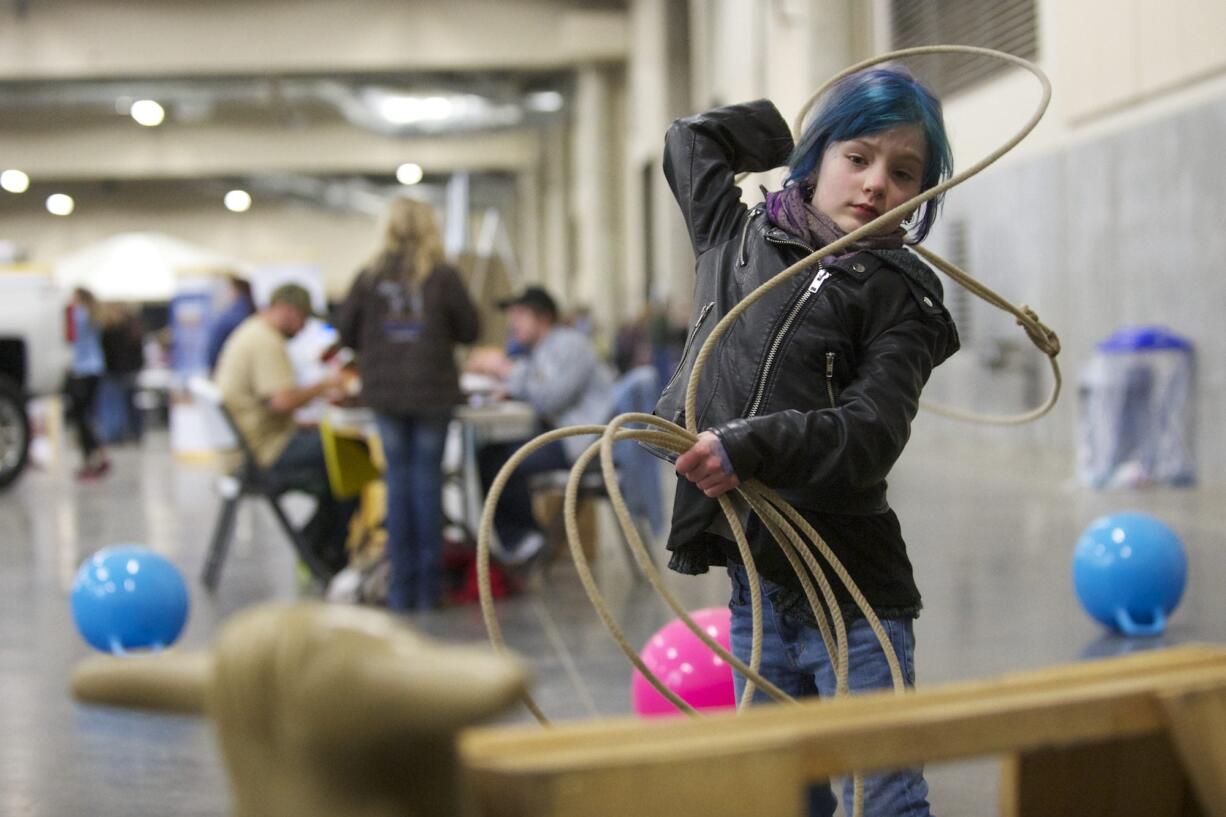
point(14, 432)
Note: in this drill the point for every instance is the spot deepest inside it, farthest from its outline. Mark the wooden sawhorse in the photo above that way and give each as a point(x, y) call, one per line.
point(1138, 736)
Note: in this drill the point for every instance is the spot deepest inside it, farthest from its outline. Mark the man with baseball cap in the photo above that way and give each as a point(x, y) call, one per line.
point(259, 389)
point(536, 300)
point(564, 379)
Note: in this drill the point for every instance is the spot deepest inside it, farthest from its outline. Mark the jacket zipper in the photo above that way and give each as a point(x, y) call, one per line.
point(777, 341)
point(790, 241)
point(685, 350)
point(741, 258)
point(830, 377)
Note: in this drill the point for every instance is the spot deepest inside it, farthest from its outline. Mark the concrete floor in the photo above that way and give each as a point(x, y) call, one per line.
point(991, 534)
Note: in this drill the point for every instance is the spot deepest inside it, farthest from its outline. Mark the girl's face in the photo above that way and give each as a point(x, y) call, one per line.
point(861, 178)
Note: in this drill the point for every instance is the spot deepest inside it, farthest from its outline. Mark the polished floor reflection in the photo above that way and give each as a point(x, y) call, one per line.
point(991, 534)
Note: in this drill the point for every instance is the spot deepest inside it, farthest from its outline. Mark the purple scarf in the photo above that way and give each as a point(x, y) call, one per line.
point(790, 210)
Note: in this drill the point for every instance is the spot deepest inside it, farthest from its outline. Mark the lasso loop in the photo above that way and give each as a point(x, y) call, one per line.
point(800, 543)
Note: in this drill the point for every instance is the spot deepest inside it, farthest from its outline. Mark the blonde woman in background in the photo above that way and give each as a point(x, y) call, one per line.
point(403, 317)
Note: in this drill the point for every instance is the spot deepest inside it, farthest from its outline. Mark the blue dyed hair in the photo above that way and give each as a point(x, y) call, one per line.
point(872, 101)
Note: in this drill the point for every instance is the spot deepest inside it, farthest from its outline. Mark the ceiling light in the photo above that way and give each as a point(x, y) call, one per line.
point(436, 107)
point(544, 101)
point(60, 204)
point(405, 110)
point(238, 201)
point(409, 173)
point(14, 181)
point(148, 113)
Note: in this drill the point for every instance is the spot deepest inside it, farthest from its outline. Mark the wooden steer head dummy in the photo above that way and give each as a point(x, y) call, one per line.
point(323, 709)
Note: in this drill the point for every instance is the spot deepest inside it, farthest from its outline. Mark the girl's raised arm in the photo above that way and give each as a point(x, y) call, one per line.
point(703, 154)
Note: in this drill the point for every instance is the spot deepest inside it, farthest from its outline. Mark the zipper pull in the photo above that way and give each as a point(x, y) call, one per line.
point(830, 366)
point(818, 280)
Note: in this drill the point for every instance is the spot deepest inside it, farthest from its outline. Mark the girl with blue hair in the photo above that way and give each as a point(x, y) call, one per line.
point(813, 390)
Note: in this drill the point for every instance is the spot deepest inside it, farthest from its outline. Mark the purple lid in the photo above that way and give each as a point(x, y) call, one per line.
point(1142, 338)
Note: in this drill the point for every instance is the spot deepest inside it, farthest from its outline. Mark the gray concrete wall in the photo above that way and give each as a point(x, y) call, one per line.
point(1121, 230)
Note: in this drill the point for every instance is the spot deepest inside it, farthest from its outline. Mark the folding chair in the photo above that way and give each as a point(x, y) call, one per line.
point(248, 479)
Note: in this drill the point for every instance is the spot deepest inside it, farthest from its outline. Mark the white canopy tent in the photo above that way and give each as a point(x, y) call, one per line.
point(140, 266)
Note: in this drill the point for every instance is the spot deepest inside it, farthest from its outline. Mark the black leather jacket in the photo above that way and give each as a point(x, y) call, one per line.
point(813, 389)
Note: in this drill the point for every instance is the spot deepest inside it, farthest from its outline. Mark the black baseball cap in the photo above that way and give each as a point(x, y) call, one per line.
point(536, 299)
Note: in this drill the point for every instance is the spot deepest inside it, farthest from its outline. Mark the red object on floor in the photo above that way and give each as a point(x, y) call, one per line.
point(90, 472)
point(460, 568)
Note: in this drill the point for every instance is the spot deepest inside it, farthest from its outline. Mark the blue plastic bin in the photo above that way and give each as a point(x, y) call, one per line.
point(1136, 411)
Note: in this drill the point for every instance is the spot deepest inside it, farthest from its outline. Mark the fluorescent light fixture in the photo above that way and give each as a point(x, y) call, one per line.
point(14, 181)
point(406, 110)
point(60, 204)
point(409, 173)
point(544, 101)
point(237, 201)
point(148, 113)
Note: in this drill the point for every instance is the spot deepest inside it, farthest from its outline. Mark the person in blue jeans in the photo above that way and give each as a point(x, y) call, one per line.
point(403, 317)
point(813, 390)
point(84, 376)
point(413, 448)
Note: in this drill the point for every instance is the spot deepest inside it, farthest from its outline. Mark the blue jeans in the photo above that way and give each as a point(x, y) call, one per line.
point(413, 447)
point(794, 658)
point(116, 416)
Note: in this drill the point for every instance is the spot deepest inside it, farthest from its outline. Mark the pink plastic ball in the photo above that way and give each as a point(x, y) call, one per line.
point(687, 666)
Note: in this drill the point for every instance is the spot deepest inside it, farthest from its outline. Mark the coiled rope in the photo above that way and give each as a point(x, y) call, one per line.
point(794, 535)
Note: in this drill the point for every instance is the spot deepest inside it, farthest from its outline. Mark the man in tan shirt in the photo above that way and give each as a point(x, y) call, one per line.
point(258, 388)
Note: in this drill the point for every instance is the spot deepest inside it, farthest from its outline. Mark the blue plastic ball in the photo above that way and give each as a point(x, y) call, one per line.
point(1129, 571)
point(129, 598)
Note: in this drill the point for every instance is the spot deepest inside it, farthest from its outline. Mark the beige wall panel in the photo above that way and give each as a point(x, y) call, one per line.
point(1112, 65)
point(556, 249)
point(981, 120)
point(1099, 40)
point(595, 226)
point(737, 72)
point(656, 93)
point(807, 43)
point(642, 126)
point(528, 233)
point(127, 151)
point(1160, 55)
point(1180, 41)
point(102, 38)
point(789, 56)
point(701, 52)
point(780, 50)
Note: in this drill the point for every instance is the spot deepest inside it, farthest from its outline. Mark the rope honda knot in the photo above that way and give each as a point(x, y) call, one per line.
point(1039, 333)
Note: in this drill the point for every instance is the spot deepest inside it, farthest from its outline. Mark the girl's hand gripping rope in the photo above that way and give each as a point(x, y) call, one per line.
point(706, 465)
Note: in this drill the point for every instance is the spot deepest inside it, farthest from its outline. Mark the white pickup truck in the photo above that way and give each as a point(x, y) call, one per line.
point(34, 356)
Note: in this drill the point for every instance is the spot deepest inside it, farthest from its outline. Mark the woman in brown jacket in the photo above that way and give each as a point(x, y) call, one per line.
point(403, 316)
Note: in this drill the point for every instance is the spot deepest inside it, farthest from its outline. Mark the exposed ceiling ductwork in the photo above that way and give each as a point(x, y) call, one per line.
point(387, 105)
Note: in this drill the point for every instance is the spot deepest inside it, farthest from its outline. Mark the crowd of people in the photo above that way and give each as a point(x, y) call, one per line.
point(404, 318)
